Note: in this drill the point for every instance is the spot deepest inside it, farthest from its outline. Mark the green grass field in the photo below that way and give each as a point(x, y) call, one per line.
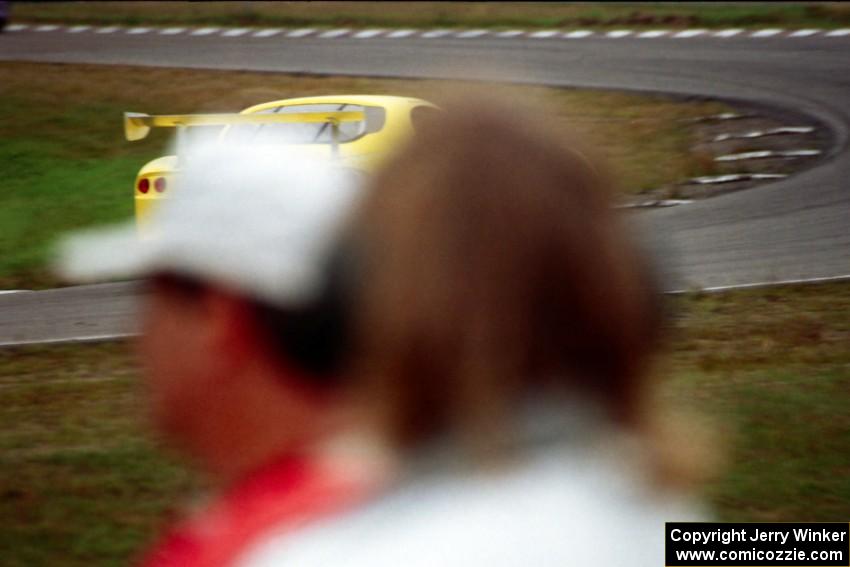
point(66, 164)
point(444, 14)
point(771, 370)
point(81, 484)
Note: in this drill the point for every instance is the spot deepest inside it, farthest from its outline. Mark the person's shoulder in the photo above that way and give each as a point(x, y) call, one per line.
point(554, 511)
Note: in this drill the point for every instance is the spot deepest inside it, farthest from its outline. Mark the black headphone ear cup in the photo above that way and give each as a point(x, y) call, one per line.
point(316, 337)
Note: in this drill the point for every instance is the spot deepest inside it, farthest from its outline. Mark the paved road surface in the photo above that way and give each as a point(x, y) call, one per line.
point(796, 228)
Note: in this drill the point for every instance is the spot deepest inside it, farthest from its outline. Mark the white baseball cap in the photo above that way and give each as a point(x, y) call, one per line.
point(259, 220)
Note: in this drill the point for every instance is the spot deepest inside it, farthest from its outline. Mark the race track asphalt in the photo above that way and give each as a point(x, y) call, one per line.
point(797, 228)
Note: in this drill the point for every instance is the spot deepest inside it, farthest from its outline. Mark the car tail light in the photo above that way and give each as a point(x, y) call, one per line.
point(144, 185)
point(159, 184)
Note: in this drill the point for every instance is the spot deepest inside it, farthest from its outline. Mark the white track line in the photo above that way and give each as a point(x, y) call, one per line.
point(578, 34)
point(655, 204)
point(728, 33)
point(544, 34)
point(470, 34)
point(800, 153)
point(303, 32)
point(440, 33)
point(766, 33)
point(653, 34)
point(331, 34)
point(803, 33)
point(718, 288)
point(730, 177)
point(367, 34)
point(689, 33)
point(763, 133)
point(722, 116)
point(235, 32)
point(8, 291)
point(434, 34)
point(761, 154)
point(205, 31)
point(82, 339)
point(400, 33)
point(765, 284)
point(270, 32)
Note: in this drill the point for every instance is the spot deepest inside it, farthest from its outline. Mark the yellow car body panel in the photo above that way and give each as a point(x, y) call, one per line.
point(363, 152)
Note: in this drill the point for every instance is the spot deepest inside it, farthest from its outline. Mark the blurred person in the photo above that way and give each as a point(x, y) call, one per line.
point(455, 373)
point(241, 342)
point(505, 326)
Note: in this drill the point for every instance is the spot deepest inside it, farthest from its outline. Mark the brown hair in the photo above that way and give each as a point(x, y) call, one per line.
point(497, 268)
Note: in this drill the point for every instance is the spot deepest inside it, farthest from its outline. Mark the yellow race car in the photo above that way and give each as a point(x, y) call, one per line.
point(355, 130)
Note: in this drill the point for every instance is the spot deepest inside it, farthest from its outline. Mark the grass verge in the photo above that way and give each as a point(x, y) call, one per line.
point(770, 368)
point(443, 14)
point(67, 165)
point(81, 485)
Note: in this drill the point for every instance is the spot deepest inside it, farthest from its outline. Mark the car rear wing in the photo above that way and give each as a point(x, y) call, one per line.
point(138, 125)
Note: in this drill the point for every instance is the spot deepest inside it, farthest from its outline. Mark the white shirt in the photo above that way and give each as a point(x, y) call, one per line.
point(576, 502)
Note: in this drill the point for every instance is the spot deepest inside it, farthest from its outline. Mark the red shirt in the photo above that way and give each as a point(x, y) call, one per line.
point(284, 495)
